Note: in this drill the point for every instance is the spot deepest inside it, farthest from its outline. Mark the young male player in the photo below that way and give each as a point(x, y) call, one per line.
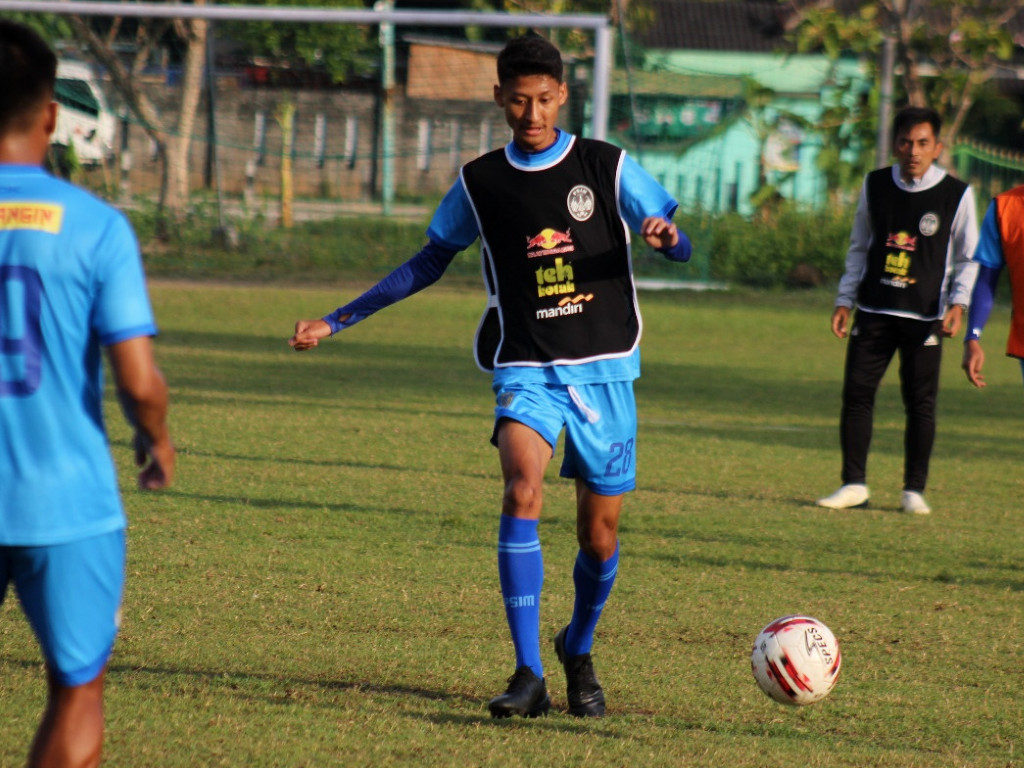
point(910, 273)
point(71, 283)
point(1001, 245)
point(560, 333)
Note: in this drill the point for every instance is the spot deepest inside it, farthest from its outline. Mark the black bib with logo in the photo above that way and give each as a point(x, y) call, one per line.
point(555, 258)
point(906, 263)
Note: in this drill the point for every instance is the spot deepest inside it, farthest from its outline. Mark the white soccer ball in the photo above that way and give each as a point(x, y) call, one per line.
point(796, 660)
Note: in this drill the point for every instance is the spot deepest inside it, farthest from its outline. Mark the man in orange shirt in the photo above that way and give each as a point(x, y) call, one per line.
point(1001, 244)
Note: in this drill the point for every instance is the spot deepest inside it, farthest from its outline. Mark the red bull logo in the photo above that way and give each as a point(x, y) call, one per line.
point(549, 241)
point(901, 240)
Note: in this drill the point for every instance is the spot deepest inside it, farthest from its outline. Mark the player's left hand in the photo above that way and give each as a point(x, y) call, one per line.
point(659, 233)
point(973, 362)
point(951, 320)
point(160, 455)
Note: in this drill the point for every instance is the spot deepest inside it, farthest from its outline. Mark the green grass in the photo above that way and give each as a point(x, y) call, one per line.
point(319, 588)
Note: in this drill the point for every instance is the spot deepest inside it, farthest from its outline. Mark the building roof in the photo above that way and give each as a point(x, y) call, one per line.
point(756, 26)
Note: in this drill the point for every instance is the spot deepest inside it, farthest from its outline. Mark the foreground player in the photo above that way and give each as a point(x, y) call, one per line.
point(910, 273)
point(1001, 245)
point(70, 282)
point(560, 333)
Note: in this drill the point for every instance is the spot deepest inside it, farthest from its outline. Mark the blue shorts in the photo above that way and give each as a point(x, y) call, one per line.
point(71, 594)
point(599, 422)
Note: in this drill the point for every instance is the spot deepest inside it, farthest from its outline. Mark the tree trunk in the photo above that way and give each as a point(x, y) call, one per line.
point(171, 146)
point(179, 144)
point(966, 101)
point(908, 57)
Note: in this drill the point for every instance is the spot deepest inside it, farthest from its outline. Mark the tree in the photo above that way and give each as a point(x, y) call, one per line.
point(848, 125)
point(100, 40)
point(50, 25)
point(946, 50)
point(569, 40)
point(339, 50)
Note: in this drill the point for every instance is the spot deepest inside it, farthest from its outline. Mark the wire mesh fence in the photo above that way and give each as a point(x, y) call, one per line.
point(380, 117)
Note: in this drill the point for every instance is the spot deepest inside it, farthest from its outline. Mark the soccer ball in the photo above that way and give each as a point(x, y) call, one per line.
point(796, 660)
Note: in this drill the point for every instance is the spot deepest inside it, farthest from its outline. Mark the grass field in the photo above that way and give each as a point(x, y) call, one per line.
point(319, 588)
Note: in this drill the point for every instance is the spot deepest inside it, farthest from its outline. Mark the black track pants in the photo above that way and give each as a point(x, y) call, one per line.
point(874, 339)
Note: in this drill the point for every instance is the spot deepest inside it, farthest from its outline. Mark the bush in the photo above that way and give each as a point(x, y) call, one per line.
point(779, 244)
point(770, 250)
point(255, 249)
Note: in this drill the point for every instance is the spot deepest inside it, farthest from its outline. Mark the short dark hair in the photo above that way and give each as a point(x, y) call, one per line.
point(908, 117)
point(28, 72)
point(529, 55)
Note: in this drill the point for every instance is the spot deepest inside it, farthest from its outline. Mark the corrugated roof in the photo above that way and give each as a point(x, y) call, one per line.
point(714, 26)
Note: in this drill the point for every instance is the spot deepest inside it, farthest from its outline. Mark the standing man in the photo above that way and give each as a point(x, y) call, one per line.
point(561, 335)
point(71, 283)
point(910, 273)
point(1001, 244)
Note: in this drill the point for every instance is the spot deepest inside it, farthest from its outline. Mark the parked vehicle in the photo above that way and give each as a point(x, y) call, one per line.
point(84, 121)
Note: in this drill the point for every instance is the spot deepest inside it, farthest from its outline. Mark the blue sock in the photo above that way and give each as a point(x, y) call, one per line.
point(594, 583)
point(521, 572)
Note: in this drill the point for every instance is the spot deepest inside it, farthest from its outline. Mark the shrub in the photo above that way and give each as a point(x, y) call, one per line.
point(765, 251)
point(776, 243)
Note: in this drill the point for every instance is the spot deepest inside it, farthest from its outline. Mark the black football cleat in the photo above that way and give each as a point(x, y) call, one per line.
point(584, 693)
point(526, 696)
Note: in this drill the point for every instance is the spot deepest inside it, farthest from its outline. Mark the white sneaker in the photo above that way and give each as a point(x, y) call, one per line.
point(853, 495)
point(914, 502)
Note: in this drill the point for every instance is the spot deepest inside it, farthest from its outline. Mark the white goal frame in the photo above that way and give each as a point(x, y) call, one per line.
point(601, 26)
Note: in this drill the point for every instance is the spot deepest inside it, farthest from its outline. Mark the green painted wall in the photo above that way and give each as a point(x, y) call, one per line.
point(664, 123)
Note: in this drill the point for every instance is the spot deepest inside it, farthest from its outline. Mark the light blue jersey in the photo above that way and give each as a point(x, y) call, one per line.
point(989, 252)
point(71, 282)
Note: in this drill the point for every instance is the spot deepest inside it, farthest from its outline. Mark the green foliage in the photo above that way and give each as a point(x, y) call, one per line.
point(340, 50)
point(319, 588)
point(309, 252)
point(540, 6)
point(947, 49)
point(765, 251)
point(974, 33)
point(63, 161)
point(996, 119)
point(53, 27)
point(848, 127)
point(762, 251)
point(838, 34)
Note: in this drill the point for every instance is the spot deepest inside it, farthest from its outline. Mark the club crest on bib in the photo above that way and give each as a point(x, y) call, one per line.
point(580, 202)
point(929, 224)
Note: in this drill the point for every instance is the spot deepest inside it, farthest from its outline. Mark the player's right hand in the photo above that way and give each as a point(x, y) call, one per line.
point(308, 334)
point(840, 319)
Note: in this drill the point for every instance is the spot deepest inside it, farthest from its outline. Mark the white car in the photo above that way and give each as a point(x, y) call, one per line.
point(83, 117)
